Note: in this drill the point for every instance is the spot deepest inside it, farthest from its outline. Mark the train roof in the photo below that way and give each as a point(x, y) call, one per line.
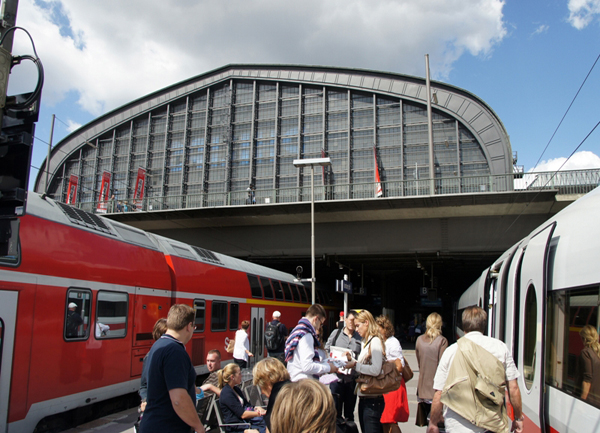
point(49, 209)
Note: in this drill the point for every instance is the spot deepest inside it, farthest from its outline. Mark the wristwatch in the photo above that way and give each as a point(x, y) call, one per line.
point(520, 419)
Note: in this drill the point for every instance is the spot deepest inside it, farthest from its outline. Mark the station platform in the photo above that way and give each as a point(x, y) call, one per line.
point(122, 422)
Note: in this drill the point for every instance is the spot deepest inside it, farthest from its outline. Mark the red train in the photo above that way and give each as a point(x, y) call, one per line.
point(80, 297)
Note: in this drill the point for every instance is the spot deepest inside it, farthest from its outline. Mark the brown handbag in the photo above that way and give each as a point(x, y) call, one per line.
point(388, 380)
point(407, 373)
point(230, 346)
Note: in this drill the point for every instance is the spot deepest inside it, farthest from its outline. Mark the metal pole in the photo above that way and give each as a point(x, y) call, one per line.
point(312, 229)
point(49, 150)
point(430, 129)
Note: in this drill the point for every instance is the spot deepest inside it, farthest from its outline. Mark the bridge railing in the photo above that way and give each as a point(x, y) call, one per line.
point(565, 182)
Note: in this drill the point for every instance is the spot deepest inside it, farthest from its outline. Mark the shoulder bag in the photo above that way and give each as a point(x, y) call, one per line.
point(388, 380)
point(230, 345)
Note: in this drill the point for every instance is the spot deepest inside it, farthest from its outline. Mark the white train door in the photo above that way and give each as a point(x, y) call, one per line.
point(257, 334)
point(8, 314)
point(532, 313)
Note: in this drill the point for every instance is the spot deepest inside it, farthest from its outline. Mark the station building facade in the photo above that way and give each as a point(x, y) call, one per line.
point(241, 126)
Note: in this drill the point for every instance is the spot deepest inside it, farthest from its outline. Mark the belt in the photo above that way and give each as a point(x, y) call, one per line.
point(371, 397)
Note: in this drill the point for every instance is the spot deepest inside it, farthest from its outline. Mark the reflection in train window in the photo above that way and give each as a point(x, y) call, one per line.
point(218, 320)
point(530, 337)
point(286, 291)
point(111, 315)
point(255, 287)
point(573, 316)
point(266, 285)
point(77, 314)
point(199, 307)
point(278, 290)
point(234, 316)
point(295, 292)
point(302, 291)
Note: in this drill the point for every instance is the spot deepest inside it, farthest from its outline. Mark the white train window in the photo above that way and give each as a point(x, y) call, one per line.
point(77, 314)
point(530, 327)
point(111, 315)
point(572, 349)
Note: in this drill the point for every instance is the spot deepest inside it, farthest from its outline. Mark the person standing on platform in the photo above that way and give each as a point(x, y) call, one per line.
point(171, 378)
point(241, 350)
point(347, 338)
point(429, 350)
point(301, 347)
point(494, 365)
point(275, 335)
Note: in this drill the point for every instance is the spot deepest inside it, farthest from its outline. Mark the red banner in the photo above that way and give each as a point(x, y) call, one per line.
point(72, 191)
point(138, 194)
point(104, 190)
point(139, 184)
point(378, 190)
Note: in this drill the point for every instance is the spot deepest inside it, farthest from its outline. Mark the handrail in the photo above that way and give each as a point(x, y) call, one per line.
point(565, 182)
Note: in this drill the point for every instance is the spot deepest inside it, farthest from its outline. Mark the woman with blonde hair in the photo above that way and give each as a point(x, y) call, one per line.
point(305, 406)
point(429, 349)
point(270, 375)
point(589, 366)
point(234, 406)
point(370, 362)
point(396, 402)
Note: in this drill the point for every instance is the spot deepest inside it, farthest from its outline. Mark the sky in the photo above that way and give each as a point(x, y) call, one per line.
point(526, 59)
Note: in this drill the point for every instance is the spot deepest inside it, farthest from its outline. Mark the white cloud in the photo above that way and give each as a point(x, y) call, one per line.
point(583, 12)
point(110, 53)
point(579, 161)
point(72, 126)
point(541, 29)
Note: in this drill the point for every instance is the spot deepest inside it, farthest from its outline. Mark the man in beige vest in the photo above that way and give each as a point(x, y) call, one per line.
point(471, 380)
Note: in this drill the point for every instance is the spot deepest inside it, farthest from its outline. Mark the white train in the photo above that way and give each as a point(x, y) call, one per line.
point(539, 294)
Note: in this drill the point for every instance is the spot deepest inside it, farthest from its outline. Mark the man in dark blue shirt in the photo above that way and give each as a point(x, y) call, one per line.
point(171, 403)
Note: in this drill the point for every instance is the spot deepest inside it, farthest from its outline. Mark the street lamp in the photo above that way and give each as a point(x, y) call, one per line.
point(312, 162)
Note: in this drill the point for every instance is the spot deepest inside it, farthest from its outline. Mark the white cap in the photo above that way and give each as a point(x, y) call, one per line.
point(276, 314)
point(72, 305)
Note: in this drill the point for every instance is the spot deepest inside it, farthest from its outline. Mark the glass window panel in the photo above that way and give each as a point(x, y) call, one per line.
point(77, 314)
point(337, 121)
point(218, 321)
point(290, 107)
point(267, 92)
point(198, 120)
point(241, 132)
point(266, 110)
point(220, 116)
point(221, 97)
point(266, 285)
point(200, 309)
point(234, 316)
point(337, 100)
point(289, 91)
point(111, 315)
point(312, 124)
point(243, 93)
point(242, 113)
point(198, 102)
point(531, 337)
point(265, 129)
point(289, 146)
point(255, 287)
point(289, 127)
point(362, 119)
point(361, 101)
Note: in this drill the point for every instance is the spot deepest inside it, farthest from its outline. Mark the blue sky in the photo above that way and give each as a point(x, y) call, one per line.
point(525, 59)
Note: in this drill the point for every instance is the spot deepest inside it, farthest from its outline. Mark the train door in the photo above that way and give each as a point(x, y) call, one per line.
point(257, 331)
point(530, 334)
point(8, 314)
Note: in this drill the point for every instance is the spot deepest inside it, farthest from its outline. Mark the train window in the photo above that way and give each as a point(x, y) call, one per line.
point(286, 291)
point(295, 292)
point(255, 287)
point(278, 290)
point(234, 316)
point(218, 320)
point(77, 314)
point(302, 291)
point(266, 285)
point(10, 248)
point(199, 307)
point(572, 334)
point(111, 315)
point(530, 337)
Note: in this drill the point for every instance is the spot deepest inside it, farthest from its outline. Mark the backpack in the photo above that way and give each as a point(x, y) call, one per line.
point(273, 337)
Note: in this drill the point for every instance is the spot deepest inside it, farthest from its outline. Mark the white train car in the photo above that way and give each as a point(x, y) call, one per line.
point(539, 294)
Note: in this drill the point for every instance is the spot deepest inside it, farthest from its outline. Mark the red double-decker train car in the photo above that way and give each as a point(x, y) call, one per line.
point(79, 296)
